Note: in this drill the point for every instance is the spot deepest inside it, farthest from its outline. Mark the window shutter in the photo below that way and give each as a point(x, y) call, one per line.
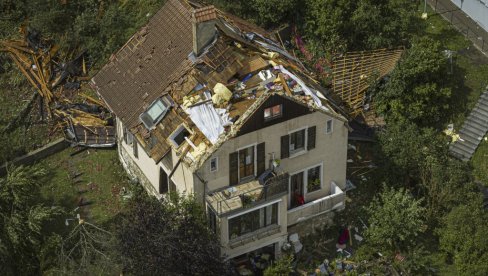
point(163, 181)
point(261, 158)
point(285, 146)
point(311, 137)
point(233, 169)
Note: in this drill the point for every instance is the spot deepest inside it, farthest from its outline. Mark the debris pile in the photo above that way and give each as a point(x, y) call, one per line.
point(84, 120)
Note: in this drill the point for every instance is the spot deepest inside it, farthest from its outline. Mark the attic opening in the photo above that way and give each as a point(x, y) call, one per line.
point(155, 112)
point(178, 136)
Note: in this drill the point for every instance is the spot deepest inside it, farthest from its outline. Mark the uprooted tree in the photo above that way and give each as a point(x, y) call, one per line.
point(87, 250)
point(168, 237)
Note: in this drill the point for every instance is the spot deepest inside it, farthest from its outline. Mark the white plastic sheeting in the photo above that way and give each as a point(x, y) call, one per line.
point(305, 88)
point(208, 120)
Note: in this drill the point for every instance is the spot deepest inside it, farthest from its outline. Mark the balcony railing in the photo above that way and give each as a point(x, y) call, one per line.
point(246, 195)
point(331, 202)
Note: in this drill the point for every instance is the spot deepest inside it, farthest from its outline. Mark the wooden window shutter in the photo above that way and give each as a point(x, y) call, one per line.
point(163, 181)
point(285, 146)
point(311, 137)
point(233, 169)
point(261, 158)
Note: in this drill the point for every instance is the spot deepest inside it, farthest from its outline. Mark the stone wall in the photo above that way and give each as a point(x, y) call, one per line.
point(36, 155)
point(135, 172)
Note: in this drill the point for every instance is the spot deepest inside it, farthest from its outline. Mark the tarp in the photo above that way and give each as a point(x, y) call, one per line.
point(305, 88)
point(206, 118)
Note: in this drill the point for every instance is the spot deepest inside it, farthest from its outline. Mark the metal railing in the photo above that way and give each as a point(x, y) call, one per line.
point(272, 188)
point(459, 20)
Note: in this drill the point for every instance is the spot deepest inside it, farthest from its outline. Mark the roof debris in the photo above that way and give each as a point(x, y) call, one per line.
point(87, 121)
point(214, 92)
point(218, 85)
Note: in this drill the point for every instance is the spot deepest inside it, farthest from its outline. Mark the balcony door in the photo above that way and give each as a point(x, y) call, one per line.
point(297, 190)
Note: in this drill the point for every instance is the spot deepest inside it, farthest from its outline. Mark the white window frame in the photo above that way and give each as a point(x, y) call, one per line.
point(216, 164)
point(175, 133)
point(305, 179)
point(305, 144)
point(278, 222)
point(327, 131)
point(255, 161)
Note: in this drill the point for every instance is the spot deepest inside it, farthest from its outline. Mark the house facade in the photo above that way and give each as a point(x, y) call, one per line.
point(210, 105)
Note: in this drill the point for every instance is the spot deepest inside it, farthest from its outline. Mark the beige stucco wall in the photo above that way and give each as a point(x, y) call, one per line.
point(330, 151)
point(182, 177)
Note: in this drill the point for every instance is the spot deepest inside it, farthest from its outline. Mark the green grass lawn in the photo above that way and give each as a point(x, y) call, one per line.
point(469, 79)
point(100, 181)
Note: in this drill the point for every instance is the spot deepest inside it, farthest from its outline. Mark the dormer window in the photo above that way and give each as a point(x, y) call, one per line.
point(155, 113)
point(178, 136)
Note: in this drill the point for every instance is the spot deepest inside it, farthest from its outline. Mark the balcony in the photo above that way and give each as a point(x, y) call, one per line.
point(331, 202)
point(228, 200)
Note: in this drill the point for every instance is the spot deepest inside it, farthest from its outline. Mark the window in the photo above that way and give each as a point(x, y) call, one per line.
point(297, 141)
point(163, 181)
point(246, 162)
point(128, 136)
point(313, 179)
point(213, 164)
point(252, 221)
point(306, 181)
point(328, 127)
point(273, 112)
point(155, 112)
point(178, 136)
point(135, 149)
point(212, 220)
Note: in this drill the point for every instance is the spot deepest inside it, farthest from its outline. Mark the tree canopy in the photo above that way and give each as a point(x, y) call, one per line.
point(22, 221)
point(168, 237)
point(395, 219)
point(464, 238)
point(417, 89)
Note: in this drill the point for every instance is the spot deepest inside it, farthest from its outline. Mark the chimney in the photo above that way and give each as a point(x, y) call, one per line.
point(203, 24)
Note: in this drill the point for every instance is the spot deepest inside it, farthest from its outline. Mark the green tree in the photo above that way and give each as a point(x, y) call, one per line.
point(267, 13)
point(417, 89)
point(22, 220)
point(463, 237)
point(340, 25)
point(282, 267)
point(168, 237)
point(395, 218)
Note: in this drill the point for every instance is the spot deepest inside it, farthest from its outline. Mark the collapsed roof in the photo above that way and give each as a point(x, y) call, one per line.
point(193, 75)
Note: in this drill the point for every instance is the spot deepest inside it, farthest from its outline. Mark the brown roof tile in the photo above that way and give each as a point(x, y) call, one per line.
point(205, 14)
point(152, 59)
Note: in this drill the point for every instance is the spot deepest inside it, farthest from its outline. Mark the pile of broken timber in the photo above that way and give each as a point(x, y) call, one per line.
point(38, 61)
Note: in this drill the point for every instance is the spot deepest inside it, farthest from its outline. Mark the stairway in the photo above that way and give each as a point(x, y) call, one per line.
point(473, 130)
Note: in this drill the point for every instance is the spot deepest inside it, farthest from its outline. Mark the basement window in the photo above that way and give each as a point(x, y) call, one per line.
point(178, 136)
point(155, 113)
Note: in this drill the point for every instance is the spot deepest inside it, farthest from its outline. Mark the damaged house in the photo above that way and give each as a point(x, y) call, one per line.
point(209, 104)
